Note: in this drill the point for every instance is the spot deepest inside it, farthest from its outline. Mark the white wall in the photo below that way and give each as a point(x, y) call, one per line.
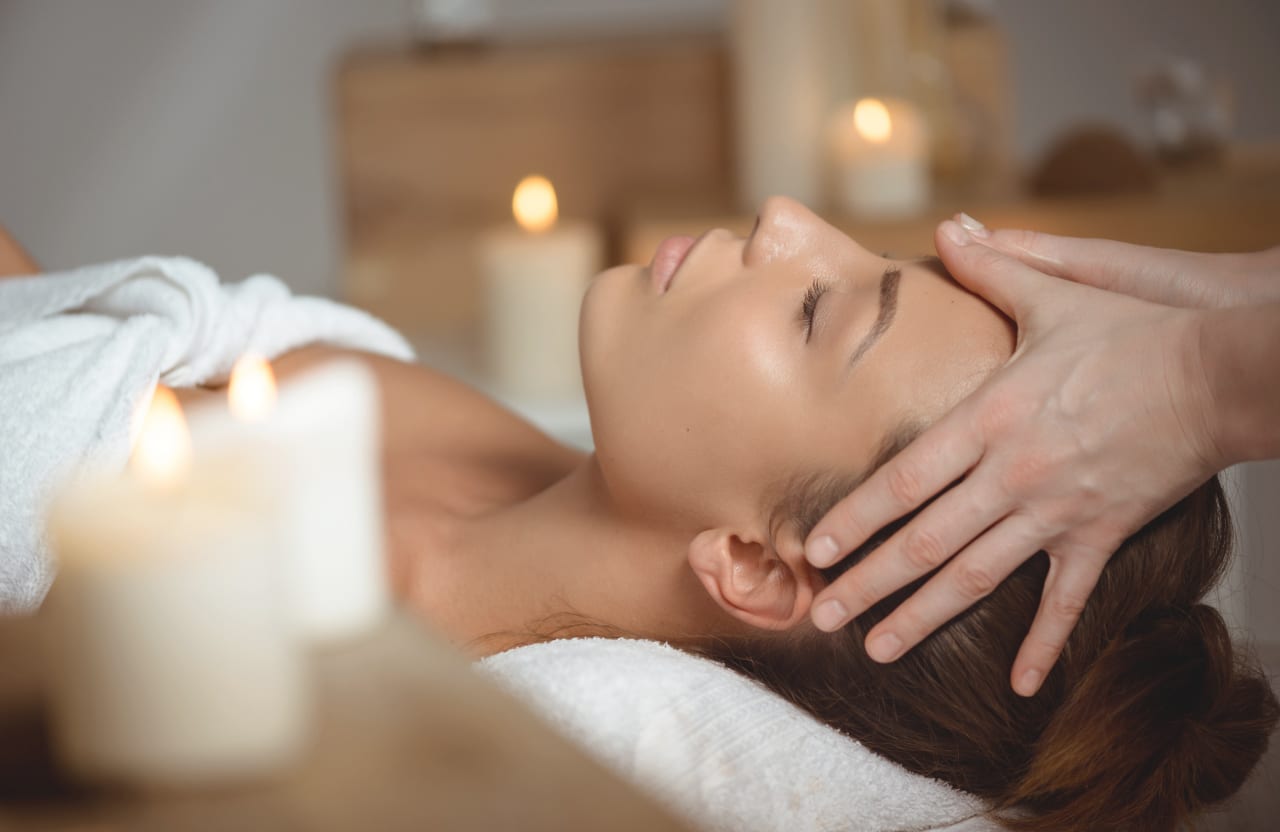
point(203, 127)
point(1257, 514)
point(199, 128)
point(1078, 59)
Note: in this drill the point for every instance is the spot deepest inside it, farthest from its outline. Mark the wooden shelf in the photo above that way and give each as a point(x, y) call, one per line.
point(431, 146)
point(1232, 207)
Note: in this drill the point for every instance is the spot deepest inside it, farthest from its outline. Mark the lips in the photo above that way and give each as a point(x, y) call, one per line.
point(667, 259)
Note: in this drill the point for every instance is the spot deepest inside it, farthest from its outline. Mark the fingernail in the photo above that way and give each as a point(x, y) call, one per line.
point(1029, 683)
point(974, 227)
point(954, 232)
point(830, 615)
point(822, 552)
point(885, 648)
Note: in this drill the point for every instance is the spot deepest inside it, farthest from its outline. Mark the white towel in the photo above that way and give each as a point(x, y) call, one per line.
point(81, 352)
point(718, 748)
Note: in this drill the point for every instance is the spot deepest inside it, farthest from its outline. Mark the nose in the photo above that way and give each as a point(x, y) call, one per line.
point(785, 212)
point(782, 225)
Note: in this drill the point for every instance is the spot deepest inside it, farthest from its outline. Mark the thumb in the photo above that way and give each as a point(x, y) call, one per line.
point(1155, 274)
point(1003, 281)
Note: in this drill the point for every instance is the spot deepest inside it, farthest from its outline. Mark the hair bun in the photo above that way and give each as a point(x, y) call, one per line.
point(1166, 722)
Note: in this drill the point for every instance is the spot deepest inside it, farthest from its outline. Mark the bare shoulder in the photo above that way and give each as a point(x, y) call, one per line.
point(429, 412)
point(14, 259)
point(430, 418)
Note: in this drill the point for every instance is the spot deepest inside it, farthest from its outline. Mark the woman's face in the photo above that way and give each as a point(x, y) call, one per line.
point(708, 390)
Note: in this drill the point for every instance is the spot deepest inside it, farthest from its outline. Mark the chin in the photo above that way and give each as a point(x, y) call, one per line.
point(606, 307)
point(604, 319)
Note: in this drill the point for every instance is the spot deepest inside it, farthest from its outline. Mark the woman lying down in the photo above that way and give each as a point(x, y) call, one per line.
point(737, 389)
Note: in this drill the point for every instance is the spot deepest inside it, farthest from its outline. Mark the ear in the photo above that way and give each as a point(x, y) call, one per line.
point(765, 584)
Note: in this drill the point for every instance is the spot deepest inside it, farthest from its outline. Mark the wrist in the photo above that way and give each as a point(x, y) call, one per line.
point(1197, 404)
point(1239, 364)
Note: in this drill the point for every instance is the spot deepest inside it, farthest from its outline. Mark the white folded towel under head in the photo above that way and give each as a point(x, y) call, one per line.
point(718, 748)
point(81, 352)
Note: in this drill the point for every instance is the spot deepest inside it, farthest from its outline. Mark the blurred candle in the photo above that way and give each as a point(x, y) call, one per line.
point(781, 75)
point(317, 445)
point(535, 275)
point(170, 657)
point(251, 390)
point(880, 155)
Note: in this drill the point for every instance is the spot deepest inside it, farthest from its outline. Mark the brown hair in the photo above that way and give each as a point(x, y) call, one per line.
point(1150, 715)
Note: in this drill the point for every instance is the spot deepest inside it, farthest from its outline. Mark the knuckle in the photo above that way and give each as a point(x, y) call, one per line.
point(904, 485)
point(1041, 525)
point(1025, 472)
point(974, 582)
point(1092, 551)
point(988, 257)
point(1067, 606)
point(923, 549)
point(1023, 239)
point(1002, 409)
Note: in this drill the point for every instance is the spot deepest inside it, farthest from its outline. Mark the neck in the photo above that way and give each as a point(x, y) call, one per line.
point(566, 556)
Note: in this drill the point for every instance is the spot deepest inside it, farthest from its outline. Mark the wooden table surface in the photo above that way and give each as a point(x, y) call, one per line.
point(408, 736)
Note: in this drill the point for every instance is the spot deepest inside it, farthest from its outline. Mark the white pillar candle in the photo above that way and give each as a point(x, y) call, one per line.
point(170, 658)
point(880, 156)
point(534, 278)
point(319, 440)
point(781, 76)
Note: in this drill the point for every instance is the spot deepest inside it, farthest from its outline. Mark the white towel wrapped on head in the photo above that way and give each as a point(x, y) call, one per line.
point(721, 749)
point(81, 351)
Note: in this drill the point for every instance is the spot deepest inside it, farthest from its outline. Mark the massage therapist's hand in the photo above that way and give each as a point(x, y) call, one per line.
point(1101, 419)
point(1168, 276)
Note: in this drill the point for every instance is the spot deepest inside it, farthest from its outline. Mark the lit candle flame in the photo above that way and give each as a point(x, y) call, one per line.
point(534, 204)
point(251, 395)
point(163, 452)
point(871, 118)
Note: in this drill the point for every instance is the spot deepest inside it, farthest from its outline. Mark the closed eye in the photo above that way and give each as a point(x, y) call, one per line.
point(809, 306)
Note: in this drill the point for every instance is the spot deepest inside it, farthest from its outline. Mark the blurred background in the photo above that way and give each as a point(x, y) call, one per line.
point(369, 150)
point(215, 129)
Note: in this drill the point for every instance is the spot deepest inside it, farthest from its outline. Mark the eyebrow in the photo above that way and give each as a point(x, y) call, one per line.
point(888, 306)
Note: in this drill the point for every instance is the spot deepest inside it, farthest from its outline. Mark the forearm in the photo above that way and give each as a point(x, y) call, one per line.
point(1240, 353)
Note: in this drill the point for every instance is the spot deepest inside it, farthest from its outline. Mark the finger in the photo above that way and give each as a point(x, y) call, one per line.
point(928, 541)
point(1066, 590)
point(967, 579)
point(1004, 281)
point(931, 462)
point(1155, 274)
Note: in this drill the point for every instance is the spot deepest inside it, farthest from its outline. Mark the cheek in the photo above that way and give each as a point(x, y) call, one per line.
point(734, 371)
point(688, 414)
point(637, 392)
